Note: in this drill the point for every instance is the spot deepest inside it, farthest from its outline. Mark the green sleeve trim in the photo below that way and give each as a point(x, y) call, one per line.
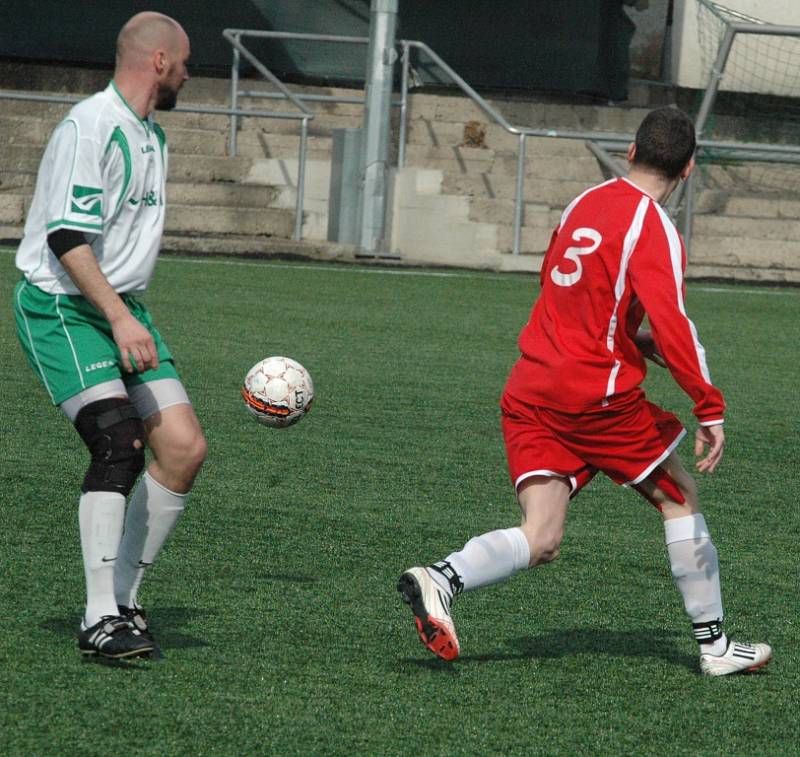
point(63, 223)
point(118, 137)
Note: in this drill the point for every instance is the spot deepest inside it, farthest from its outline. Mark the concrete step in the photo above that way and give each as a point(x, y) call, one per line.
point(779, 229)
point(532, 240)
point(205, 168)
point(185, 213)
point(213, 219)
point(223, 194)
point(556, 194)
point(14, 181)
point(762, 207)
point(20, 132)
point(448, 133)
point(251, 246)
point(501, 212)
point(748, 258)
point(21, 158)
point(504, 166)
point(779, 178)
point(529, 113)
point(251, 143)
point(12, 209)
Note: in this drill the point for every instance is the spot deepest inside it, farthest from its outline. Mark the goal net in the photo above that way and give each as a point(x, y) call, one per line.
point(758, 102)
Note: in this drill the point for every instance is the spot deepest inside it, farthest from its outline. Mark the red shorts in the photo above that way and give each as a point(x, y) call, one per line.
point(626, 440)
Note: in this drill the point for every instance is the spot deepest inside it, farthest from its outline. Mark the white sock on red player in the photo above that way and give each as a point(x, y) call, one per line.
point(484, 560)
point(695, 568)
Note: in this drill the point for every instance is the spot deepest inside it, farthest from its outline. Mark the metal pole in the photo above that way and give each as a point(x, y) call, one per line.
point(401, 149)
point(301, 182)
point(520, 195)
point(234, 102)
point(688, 214)
point(714, 80)
point(381, 56)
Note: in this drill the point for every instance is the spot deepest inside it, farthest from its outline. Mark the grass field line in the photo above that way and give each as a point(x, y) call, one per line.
point(439, 274)
point(346, 268)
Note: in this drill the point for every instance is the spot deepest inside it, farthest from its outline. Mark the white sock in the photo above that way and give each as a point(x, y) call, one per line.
point(484, 560)
point(100, 517)
point(695, 568)
point(152, 514)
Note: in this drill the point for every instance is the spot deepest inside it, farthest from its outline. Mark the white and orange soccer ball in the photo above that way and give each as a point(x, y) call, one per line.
point(278, 391)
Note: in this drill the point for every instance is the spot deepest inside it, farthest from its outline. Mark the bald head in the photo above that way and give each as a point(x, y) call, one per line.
point(152, 55)
point(146, 34)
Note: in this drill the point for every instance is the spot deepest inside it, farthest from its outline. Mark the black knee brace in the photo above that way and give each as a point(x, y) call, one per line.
point(111, 429)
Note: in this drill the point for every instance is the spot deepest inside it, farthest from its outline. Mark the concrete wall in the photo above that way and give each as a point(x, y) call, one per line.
point(648, 39)
point(691, 65)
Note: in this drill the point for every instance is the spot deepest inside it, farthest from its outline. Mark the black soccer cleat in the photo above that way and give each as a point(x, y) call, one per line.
point(138, 618)
point(113, 637)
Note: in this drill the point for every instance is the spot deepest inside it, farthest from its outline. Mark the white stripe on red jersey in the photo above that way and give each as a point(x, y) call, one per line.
point(578, 350)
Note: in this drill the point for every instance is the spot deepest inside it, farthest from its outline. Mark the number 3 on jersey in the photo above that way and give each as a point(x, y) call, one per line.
point(573, 254)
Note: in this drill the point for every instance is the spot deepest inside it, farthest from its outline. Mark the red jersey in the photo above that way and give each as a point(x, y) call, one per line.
point(614, 256)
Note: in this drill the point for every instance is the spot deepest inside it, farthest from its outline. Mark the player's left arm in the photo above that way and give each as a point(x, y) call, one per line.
point(656, 272)
point(712, 437)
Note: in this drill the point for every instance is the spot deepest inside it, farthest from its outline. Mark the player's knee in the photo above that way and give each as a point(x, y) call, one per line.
point(187, 454)
point(114, 435)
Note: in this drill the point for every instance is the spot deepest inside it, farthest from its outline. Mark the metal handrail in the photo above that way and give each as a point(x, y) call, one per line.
point(522, 132)
point(210, 110)
point(234, 37)
point(594, 139)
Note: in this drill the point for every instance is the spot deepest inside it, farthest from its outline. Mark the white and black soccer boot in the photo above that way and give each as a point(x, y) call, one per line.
point(431, 607)
point(739, 657)
point(113, 637)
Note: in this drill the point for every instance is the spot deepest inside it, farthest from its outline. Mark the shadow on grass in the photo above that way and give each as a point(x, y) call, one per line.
point(166, 624)
point(643, 642)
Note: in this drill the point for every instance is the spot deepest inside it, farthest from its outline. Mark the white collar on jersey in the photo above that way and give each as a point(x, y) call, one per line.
point(636, 186)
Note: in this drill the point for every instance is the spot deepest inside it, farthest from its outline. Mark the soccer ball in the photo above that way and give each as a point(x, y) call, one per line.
point(278, 391)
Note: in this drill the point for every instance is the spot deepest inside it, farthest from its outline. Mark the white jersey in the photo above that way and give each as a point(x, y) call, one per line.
point(104, 173)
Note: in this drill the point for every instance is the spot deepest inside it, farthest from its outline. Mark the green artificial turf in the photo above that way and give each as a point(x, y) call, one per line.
point(275, 598)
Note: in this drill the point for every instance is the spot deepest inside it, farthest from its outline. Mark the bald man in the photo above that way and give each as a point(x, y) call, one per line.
point(91, 241)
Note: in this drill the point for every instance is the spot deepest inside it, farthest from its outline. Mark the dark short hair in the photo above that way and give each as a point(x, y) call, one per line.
point(665, 141)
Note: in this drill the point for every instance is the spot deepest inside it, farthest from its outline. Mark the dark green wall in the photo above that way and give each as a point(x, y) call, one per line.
point(552, 45)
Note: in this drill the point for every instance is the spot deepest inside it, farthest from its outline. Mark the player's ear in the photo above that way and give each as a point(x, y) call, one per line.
point(631, 152)
point(687, 169)
point(160, 62)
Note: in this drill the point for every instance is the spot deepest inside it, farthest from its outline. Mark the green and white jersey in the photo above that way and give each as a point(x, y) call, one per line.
point(104, 173)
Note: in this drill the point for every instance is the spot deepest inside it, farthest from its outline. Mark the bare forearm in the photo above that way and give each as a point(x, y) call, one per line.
point(136, 346)
point(81, 265)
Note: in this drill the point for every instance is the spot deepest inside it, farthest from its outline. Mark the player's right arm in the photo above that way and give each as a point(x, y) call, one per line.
point(77, 205)
point(136, 346)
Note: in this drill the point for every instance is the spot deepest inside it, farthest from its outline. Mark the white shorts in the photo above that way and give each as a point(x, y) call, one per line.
point(148, 398)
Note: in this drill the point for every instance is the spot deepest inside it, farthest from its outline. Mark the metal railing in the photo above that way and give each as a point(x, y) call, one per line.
point(232, 112)
point(234, 37)
point(599, 143)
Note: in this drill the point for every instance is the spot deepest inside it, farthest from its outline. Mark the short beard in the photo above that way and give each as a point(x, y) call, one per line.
point(166, 98)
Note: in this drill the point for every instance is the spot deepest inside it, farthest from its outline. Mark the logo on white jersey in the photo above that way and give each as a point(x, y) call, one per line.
point(87, 200)
point(574, 253)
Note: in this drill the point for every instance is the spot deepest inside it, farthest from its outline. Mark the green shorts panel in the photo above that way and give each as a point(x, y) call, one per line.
point(70, 345)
